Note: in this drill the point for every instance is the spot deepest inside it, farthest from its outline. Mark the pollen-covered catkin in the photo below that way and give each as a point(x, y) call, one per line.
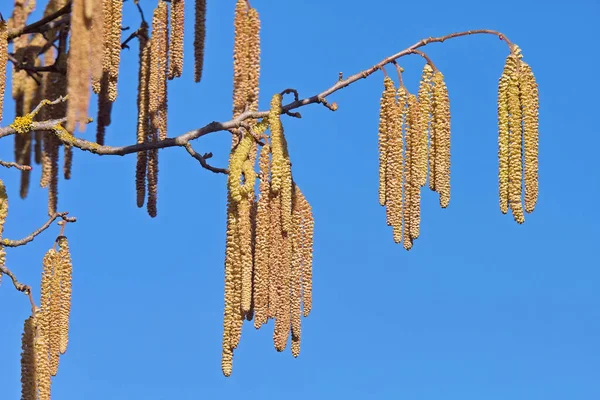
point(275, 250)
point(424, 119)
point(414, 182)
point(441, 109)
point(3, 61)
point(515, 146)
point(28, 362)
point(176, 39)
point(65, 275)
point(245, 243)
point(394, 167)
point(97, 40)
point(253, 59)
point(261, 250)
point(528, 89)
point(231, 262)
point(143, 122)
point(386, 103)
point(503, 140)
point(158, 70)
point(296, 273)
point(277, 145)
point(112, 26)
point(3, 206)
point(307, 240)
point(199, 38)
point(78, 70)
point(240, 57)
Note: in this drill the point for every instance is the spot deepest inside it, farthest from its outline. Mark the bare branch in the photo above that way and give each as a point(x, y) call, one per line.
point(202, 160)
point(49, 22)
point(18, 285)
point(29, 238)
point(8, 164)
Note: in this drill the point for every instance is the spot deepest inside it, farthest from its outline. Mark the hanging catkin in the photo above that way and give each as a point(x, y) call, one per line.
point(441, 126)
point(28, 361)
point(143, 122)
point(503, 139)
point(515, 145)
point(240, 57)
point(231, 263)
point(253, 59)
point(261, 250)
point(112, 32)
point(3, 61)
point(199, 38)
point(158, 70)
point(424, 118)
point(78, 70)
point(415, 164)
point(387, 101)
point(176, 39)
point(393, 173)
point(529, 99)
point(65, 275)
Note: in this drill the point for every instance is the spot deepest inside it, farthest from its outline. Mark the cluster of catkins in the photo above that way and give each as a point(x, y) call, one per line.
point(268, 262)
point(414, 138)
point(70, 66)
point(518, 105)
point(46, 331)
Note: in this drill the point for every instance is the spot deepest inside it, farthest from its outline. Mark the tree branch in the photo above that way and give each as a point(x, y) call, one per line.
point(202, 160)
point(8, 164)
point(18, 285)
point(184, 139)
point(44, 24)
point(29, 238)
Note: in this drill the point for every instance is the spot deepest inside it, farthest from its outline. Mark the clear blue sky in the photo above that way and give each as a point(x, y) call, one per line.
point(480, 309)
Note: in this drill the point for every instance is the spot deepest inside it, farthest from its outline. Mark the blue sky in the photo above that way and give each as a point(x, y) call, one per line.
point(481, 308)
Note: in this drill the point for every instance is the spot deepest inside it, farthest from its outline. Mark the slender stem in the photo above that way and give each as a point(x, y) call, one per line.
point(33, 27)
point(30, 237)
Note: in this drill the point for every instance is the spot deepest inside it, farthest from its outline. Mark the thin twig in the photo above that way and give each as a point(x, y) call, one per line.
point(29, 238)
point(10, 164)
point(18, 285)
point(45, 22)
point(202, 160)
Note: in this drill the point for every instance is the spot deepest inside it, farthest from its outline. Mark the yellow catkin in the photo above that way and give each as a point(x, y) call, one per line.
point(158, 70)
point(503, 140)
point(65, 274)
point(143, 122)
point(261, 251)
point(441, 124)
point(393, 175)
point(386, 103)
point(283, 317)
point(176, 39)
point(54, 316)
point(515, 164)
point(286, 193)
point(279, 162)
point(528, 90)
point(245, 243)
point(306, 258)
point(52, 151)
point(296, 273)
point(114, 44)
point(28, 362)
point(46, 359)
point(275, 246)
point(253, 59)
point(424, 119)
point(231, 261)
point(78, 70)
point(3, 61)
point(414, 183)
point(43, 375)
point(199, 38)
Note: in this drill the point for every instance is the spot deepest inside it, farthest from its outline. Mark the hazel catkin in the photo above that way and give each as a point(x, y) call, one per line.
point(386, 104)
point(528, 90)
point(199, 38)
point(3, 61)
point(503, 140)
point(424, 119)
point(28, 360)
point(176, 39)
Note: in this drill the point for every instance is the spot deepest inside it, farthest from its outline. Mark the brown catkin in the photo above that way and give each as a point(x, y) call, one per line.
point(97, 41)
point(3, 207)
point(152, 181)
point(78, 69)
point(386, 103)
point(158, 70)
point(3, 61)
point(68, 161)
point(414, 182)
point(28, 361)
point(143, 123)
point(104, 110)
point(51, 148)
point(65, 274)
point(199, 38)
point(528, 90)
point(240, 57)
point(261, 250)
point(176, 39)
point(515, 145)
point(424, 119)
point(253, 59)
point(503, 140)
point(112, 26)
